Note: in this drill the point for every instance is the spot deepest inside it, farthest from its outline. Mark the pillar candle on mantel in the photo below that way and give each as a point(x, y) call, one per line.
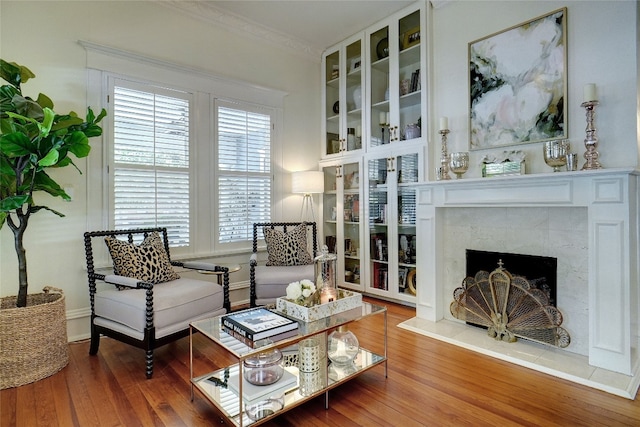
point(382, 117)
point(444, 123)
point(590, 92)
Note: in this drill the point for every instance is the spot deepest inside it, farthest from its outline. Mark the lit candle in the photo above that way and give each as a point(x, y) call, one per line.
point(590, 92)
point(358, 131)
point(444, 123)
point(328, 295)
point(387, 119)
point(382, 117)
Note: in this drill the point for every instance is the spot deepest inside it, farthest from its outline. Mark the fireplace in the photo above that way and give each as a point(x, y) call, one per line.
point(588, 220)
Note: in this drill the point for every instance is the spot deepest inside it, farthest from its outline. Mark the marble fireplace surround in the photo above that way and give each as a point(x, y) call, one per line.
point(600, 252)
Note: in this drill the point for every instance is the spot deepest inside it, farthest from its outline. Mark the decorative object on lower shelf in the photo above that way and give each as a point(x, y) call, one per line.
point(266, 367)
point(264, 408)
point(343, 346)
point(310, 354)
point(347, 300)
point(255, 393)
point(312, 382)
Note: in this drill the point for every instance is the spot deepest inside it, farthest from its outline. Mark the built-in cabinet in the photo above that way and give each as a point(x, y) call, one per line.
point(373, 148)
point(343, 217)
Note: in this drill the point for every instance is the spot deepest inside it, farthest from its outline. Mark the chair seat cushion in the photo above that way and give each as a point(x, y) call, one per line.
point(272, 281)
point(174, 302)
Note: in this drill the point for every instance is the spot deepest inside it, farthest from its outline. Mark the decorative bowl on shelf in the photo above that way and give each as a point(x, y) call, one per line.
point(459, 163)
point(265, 408)
point(265, 367)
point(555, 153)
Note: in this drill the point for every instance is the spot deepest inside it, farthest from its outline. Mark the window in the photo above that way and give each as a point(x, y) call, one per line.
point(151, 174)
point(244, 170)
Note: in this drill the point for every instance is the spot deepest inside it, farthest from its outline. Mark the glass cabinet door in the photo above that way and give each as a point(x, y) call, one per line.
point(343, 98)
point(407, 124)
point(378, 206)
point(379, 87)
point(332, 103)
point(351, 224)
point(342, 218)
point(407, 172)
point(394, 83)
point(354, 96)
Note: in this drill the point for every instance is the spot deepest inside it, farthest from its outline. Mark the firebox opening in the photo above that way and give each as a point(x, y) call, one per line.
point(540, 271)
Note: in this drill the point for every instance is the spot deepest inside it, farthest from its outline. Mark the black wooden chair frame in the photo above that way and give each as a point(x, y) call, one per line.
point(149, 341)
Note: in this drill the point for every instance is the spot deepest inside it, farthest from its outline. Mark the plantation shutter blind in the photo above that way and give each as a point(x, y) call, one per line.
point(151, 160)
point(244, 171)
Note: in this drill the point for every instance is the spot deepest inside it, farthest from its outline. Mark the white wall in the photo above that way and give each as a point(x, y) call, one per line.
point(44, 37)
point(602, 48)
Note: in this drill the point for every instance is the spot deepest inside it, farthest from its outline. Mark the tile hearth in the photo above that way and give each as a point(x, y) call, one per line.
point(539, 357)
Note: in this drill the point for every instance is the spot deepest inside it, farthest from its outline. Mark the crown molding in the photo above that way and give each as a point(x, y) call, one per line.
point(207, 11)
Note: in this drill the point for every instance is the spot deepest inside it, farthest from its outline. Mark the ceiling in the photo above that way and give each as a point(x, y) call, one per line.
point(316, 23)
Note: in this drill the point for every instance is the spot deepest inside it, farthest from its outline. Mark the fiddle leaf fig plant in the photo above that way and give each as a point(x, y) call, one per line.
point(33, 139)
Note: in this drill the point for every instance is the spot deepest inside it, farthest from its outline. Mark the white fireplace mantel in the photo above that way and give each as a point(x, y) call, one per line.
point(612, 200)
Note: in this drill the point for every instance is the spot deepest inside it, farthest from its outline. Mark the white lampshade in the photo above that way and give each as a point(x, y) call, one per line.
point(307, 182)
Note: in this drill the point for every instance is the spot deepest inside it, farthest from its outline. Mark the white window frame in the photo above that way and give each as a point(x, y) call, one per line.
point(114, 82)
point(242, 106)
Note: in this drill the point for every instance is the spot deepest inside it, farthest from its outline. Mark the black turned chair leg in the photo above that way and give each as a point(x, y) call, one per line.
point(149, 363)
point(95, 341)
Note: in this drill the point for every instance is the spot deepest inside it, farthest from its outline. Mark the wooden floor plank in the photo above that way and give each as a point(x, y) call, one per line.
point(430, 383)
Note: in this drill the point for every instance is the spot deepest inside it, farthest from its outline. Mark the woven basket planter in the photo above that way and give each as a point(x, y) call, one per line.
point(33, 339)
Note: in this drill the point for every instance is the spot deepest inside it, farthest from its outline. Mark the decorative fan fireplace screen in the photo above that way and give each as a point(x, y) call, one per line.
point(509, 306)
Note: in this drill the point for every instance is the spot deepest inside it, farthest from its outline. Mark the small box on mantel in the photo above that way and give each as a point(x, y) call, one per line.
point(349, 301)
point(503, 169)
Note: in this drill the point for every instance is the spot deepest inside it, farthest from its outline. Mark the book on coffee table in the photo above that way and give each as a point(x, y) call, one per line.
point(257, 323)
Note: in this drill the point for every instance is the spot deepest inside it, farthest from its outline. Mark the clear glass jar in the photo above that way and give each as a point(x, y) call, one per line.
point(265, 367)
point(343, 346)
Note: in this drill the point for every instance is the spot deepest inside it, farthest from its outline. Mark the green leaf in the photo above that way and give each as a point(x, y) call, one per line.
point(44, 101)
point(13, 202)
point(43, 182)
point(35, 209)
point(50, 159)
point(15, 144)
point(78, 144)
point(27, 107)
point(3, 218)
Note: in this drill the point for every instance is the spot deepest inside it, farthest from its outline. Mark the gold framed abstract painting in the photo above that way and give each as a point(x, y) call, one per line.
point(518, 84)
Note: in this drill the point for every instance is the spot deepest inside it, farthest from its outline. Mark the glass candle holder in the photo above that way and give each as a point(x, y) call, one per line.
point(325, 273)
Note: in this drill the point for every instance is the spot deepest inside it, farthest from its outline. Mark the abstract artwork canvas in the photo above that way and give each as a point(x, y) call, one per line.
point(517, 82)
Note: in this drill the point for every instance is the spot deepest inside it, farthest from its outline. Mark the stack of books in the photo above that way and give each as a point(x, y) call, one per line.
point(253, 325)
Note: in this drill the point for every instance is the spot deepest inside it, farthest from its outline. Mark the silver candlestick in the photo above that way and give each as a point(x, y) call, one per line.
point(444, 158)
point(591, 141)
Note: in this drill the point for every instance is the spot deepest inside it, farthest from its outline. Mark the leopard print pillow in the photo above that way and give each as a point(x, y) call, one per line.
point(148, 261)
point(288, 248)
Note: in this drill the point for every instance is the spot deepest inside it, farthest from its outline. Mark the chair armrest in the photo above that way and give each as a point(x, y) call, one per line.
point(129, 282)
point(197, 265)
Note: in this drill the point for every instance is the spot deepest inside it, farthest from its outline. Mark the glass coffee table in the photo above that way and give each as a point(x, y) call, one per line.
point(223, 389)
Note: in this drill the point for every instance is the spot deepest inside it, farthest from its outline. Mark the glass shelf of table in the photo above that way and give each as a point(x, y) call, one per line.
point(215, 387)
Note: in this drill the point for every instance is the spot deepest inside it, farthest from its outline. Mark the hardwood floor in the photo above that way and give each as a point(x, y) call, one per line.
point(430, 383)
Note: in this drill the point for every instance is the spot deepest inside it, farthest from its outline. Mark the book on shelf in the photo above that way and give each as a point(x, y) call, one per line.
point(254, 393)
point(250, 343)
point(258, 323)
